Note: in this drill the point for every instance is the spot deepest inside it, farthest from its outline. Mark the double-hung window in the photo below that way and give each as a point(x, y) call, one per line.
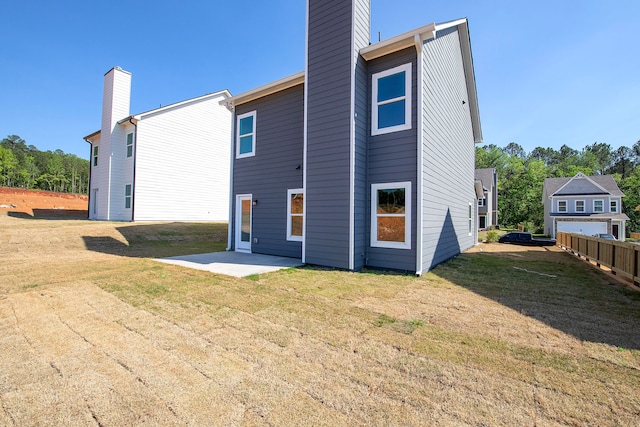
point(562, 206)
point(614, 206)
point(95, 156)
point(391, 100)
point(391, 215)
point(481, 202)
point(295, 214)
point(246, 135)
point(598, 206)
point(129, 144)
point(127, 196)
point(579, 206)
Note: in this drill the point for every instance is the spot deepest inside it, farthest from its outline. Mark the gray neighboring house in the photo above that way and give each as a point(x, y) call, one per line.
point(583, 204)
point(366, 158)
point(488, 201)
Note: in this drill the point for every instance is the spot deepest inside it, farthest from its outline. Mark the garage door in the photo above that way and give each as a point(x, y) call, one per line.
point(586, 228)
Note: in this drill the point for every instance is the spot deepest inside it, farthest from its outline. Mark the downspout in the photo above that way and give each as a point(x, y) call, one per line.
point(135, 156)
point(420, 148)
point(89, 186)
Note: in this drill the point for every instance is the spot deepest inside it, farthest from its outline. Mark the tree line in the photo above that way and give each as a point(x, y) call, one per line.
point(521, 175)
point(24, 166)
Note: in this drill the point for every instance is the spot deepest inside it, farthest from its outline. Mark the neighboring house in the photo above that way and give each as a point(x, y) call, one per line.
point(167, 164)
point(583, 204)
point(488, 201)
point(367, 157)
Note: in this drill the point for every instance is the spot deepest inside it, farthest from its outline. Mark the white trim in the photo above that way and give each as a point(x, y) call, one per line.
point(268, 89)
point(407, 215)
point(304, 136)
point(575, 206)
point(252, 153)
point(594, 206)
point(566, 206)
point(290, 215)
point(127, 145)
point(232, 157)
point(130, 196)
point(420, 148)
point(399, 42)
point(238, 221)
point(579, 175)
point(471, 225)
point(375, 130)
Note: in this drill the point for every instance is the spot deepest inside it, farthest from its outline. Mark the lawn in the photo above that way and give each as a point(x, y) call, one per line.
point(96, 332)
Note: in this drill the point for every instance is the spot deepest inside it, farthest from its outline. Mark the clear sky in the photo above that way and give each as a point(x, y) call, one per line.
point(548, 72)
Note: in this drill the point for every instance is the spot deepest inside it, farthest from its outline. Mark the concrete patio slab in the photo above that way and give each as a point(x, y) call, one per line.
point(235, 264)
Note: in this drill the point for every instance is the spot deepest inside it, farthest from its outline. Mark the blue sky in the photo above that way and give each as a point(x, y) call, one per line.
point(548, 72)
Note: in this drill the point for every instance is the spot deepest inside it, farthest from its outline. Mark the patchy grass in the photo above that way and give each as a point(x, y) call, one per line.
point(502, 336)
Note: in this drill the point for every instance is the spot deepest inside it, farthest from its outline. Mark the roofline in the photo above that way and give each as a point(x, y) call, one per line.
point(137, 117)
point(581, 175)
point(268, 89)
point(91, 135)
point(398, 42)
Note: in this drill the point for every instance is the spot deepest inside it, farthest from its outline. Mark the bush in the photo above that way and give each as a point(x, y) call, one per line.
point(492, 236)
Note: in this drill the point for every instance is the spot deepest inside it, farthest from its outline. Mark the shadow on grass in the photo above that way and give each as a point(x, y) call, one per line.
point(161, 240)
point(555, 288)
point(51, 214)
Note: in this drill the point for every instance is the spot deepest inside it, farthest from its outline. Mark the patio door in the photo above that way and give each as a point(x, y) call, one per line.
point(243, 223)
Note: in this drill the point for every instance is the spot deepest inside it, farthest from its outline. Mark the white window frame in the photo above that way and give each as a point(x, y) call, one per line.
point(252, 134)
point(613, 203)
point(566, 206)
point(575, 206)
point(481, 202)
point(594, 206)
point(407, 98)
point(95, 155)
point(129, 145)
point(128, 198)
point(407, 215)
point(470, 218)
point(290, 215)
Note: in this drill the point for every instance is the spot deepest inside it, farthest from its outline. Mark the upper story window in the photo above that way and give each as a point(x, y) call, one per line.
point(391, 100)
point(562, 206)
point(391, 215)
point(95, 156)
point(129, 144)
point(481, 202)
point(579, 206)
point(598, 206)
point(295, 214)
point(614, 206)
point(127, 196)
point(246, 135)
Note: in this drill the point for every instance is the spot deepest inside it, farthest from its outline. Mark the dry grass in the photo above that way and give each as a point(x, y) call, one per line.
point(93, 332)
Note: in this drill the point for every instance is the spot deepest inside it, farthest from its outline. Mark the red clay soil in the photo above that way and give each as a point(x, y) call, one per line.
point(42, 203)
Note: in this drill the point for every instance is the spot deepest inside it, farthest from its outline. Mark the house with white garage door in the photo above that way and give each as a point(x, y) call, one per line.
point(583, 204)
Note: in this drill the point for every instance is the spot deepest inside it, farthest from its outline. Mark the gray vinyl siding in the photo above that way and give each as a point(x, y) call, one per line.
point(448, 152)
point(272, 171)
point(328, 133)
point(361, 208)
point(392, 158)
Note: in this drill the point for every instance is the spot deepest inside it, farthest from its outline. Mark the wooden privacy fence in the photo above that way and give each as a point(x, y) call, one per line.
point(621, 257)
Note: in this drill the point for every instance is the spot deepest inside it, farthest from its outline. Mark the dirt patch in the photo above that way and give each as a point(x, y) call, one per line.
point(42, 203)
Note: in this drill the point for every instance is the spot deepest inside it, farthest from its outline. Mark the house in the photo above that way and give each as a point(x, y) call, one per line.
point(583, 204)
point(366, 158)
point(488, 201)
point(167, 164)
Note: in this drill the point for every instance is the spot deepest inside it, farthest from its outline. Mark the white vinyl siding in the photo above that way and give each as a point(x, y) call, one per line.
point(295, 214)
point(189, 183)
point(391, 215)
point(246, 135)
point(391, 100)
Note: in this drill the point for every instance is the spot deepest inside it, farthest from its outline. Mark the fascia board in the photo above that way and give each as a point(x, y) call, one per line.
point(268, 89)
